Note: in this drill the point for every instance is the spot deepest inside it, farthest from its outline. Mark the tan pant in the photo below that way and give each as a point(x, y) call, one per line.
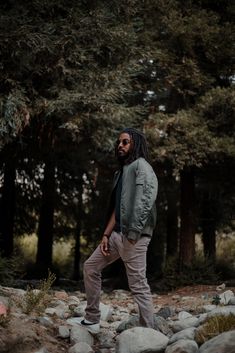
point(134, 258)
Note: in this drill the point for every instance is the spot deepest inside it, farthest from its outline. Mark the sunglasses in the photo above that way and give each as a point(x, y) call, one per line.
point(124, 142)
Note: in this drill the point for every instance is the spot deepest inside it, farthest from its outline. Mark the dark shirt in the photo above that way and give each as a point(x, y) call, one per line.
point(118, 192)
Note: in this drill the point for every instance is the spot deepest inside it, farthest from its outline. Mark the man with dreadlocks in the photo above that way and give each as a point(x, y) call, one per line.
point(131, 220)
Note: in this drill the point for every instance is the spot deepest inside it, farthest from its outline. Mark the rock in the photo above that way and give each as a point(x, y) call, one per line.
point(184, 315)
point(133, 321)
point(187, 334)
point(226, 310)
point(80, 334)
point(4, 300)
point(180, 325)
point(45, 321)
point(42, 350)
point(223, 343)
point(160, 324)
point(62, 311)
point(209, 307)
point(231, 301)
point(183, 346)
point(81, 347)
point(221, 287)
point(140, 340)
point(226, 296)
point(62, 295)
point(105, 311)
point(64, 332)
point(166, 312)
point(106, 340)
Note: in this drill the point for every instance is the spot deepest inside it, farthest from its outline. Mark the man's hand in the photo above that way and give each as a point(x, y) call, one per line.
point(104, 245)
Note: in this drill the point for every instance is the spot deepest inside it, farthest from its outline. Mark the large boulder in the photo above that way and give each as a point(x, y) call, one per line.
point(141, 340)
point(223, 343)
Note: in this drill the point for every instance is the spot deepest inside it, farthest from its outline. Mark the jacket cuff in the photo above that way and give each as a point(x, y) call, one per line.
point(133, 235)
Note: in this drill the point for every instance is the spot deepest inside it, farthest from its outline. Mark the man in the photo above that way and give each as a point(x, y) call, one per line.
point(131, 220)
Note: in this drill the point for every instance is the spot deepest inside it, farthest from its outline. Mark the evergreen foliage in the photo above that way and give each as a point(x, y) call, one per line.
point(73, 76)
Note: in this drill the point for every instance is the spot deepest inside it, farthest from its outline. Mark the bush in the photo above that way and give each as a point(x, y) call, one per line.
point(201, 271)
point(214, 326)
point(10, 269)
point(35, 300)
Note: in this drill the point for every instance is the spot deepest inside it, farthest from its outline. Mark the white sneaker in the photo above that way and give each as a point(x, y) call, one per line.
point(89, 326)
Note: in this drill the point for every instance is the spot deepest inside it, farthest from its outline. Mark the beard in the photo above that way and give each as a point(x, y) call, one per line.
point(122, 156)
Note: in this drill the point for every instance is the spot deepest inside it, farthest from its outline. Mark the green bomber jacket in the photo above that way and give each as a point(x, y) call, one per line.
point(138, 196)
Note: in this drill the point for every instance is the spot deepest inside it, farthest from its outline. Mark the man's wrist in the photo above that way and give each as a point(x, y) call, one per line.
point(106, 235)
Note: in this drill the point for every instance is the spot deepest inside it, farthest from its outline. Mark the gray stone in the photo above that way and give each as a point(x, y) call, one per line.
point(61, 311)
point(166, 312)
point(80, 334)
point(105, 311)
point(231, 301)
point(106, 340)
point(45, 321)
point(160, 324)
point(133, 321)
point(42, 350)
point(187, 334)
point(209, 307)
point(4, 300)
point(183, 346)
point(64, 332)
point(180, 325)
point(225, 310)
point(141, 340)
point(226, 296)
point(81, 347)
point(202, 318)
point(184, 315)
point(223, 343)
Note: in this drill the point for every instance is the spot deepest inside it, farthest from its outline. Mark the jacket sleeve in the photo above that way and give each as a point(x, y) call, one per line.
point(146, 187)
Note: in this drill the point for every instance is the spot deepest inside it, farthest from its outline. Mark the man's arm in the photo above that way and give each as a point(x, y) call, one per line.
point(104, 245)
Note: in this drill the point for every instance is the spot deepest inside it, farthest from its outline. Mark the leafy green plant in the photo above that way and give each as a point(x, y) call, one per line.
point(214, 326)
point(216, 300)
point(35, 300)
point(10, 269)
point(201, 271)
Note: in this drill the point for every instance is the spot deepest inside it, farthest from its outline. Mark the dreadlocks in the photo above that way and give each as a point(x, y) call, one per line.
point(140, 148)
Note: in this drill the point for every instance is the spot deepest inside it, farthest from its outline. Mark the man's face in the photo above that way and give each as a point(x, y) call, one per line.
point(124, 146)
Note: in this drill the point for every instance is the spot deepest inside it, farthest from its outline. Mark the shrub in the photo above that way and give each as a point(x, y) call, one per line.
point(214, 326)
point(10, 268)
point(201, 271)
point(35, 300)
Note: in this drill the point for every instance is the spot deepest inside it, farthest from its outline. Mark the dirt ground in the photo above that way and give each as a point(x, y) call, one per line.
point(29, 336)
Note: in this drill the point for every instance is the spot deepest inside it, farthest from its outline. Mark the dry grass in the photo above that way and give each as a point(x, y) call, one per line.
point(36, 300)
point(214, 326)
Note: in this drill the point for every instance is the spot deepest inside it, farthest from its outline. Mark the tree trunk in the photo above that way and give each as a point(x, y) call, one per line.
point(77, 253)
point(187, 228)
point(209, 227)
point(79, 216)
point(156, 254)
point(172, 218)
point(8, 209)
point(45, 229)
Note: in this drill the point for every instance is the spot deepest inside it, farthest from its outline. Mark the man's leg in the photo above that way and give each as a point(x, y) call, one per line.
point(92, 277)
point(134, 258)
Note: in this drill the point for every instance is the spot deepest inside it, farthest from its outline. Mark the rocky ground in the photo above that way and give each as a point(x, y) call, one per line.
point(178, 316)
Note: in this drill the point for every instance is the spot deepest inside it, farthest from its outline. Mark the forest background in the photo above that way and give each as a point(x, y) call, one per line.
point(72, 75)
